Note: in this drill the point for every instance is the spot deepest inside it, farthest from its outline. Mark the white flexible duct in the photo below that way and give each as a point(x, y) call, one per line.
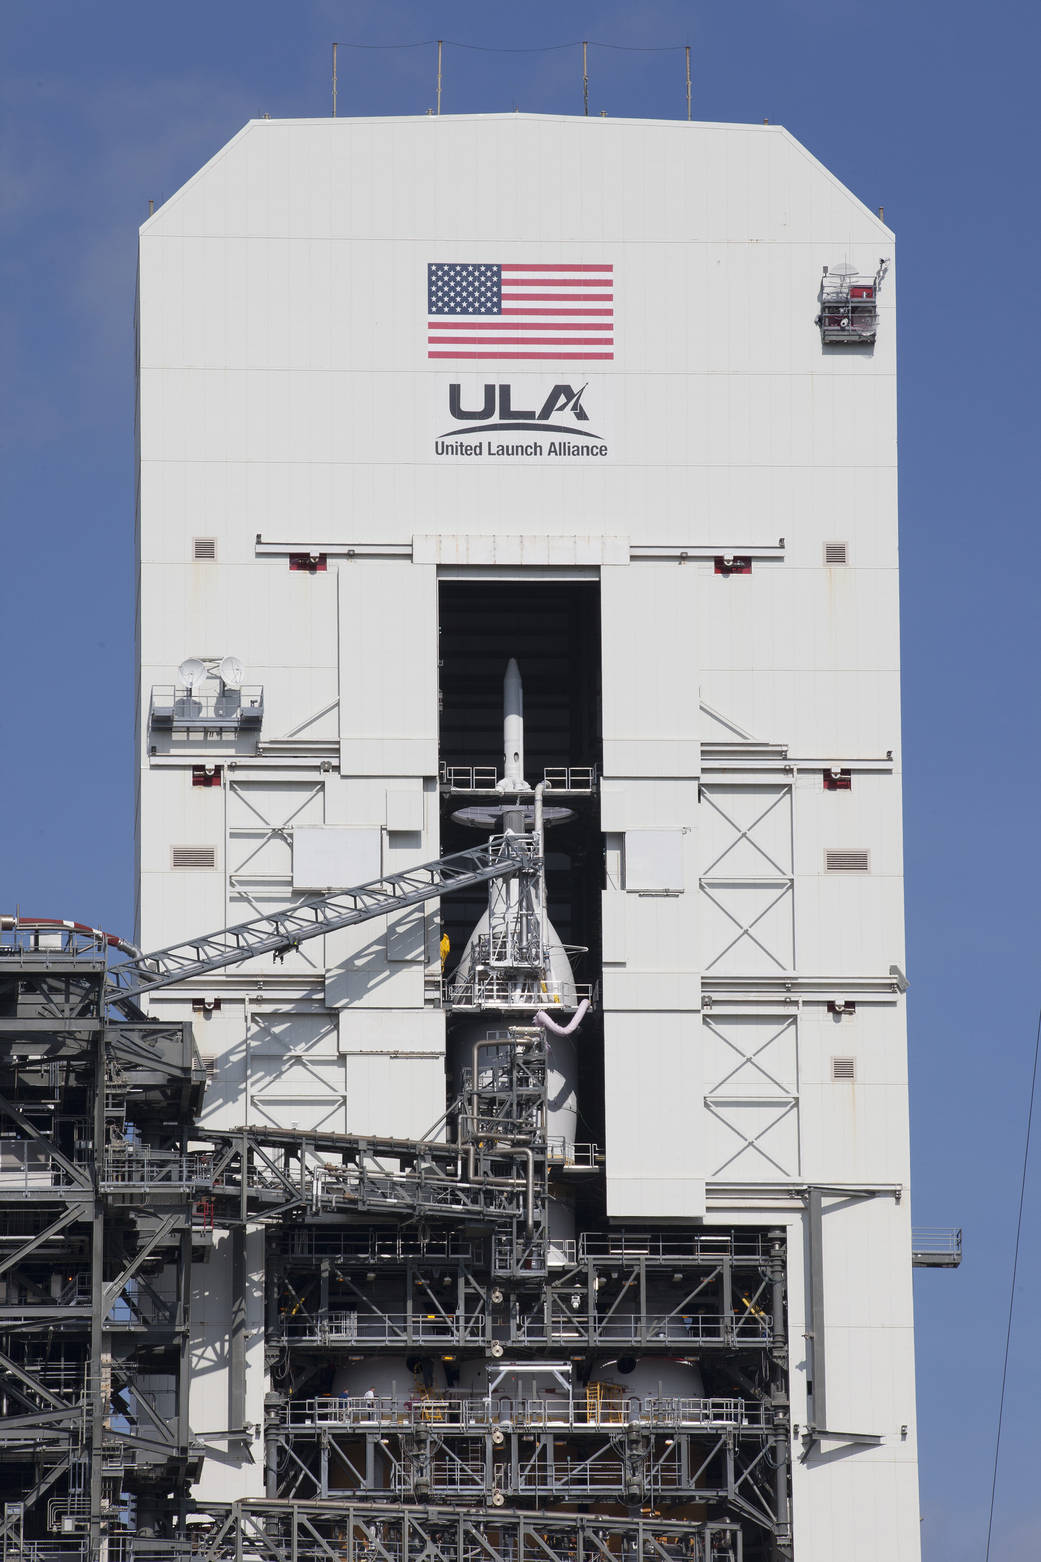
point(543, 1019)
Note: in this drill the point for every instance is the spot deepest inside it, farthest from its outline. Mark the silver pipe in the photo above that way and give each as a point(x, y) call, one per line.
point(540, 847)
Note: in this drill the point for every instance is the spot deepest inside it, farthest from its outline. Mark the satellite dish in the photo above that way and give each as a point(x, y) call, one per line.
point(191, 672)
point(232, 673)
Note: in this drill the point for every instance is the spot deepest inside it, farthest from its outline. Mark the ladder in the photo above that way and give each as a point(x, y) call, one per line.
point(498, 858)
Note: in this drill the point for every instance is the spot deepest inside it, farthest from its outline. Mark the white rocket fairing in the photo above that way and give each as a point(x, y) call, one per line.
point(513, 730)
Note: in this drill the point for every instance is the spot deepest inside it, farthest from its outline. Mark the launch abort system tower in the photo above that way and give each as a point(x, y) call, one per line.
point(531, 481)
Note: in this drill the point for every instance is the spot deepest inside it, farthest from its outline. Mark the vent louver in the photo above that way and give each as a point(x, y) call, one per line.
point(847, 861)
point(204, 547)
point(843, 1068)
point(193, 856)
point(836, 553)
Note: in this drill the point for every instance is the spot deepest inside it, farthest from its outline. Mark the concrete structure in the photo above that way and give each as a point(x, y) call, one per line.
point(616, 399)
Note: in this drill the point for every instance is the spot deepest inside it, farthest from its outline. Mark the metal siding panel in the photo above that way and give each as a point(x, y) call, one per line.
point(391, 1030)
point(332, 857)
point(653, 1116)
point(398, 1097)
point(650, 713)
point(388, 682)
point(654, 861)
point(405, 807)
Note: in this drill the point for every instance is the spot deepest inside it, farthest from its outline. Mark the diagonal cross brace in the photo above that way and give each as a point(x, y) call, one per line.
point(745, 930)
point(114, 1288)
point(78, 1175)
point(66, 1218)
point(744, 834)
point(52, 1400)
point(787, 1025)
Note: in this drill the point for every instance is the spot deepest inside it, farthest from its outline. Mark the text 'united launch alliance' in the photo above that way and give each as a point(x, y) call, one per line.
point(534, 447)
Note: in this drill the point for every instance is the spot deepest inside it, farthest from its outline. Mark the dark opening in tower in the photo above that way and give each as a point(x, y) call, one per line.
point(552, 630)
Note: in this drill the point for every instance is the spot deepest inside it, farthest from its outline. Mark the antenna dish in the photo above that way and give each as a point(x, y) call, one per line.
point(232, 673)
point(191, 672)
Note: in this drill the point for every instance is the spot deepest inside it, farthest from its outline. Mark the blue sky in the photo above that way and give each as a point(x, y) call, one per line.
point(926, 110)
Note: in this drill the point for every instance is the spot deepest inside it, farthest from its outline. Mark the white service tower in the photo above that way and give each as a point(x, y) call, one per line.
point(428, 407)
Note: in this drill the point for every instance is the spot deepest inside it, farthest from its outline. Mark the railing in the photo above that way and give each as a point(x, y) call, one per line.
point(562, 1152)
point(663, 1248)
point(347, 1327)
point(512, 1257)
point(174, 707)
point(497, 991)
point(604, 1477)
point(936, 1247)
point(485, 778)
point(457, 1413)
point(849, 311)
point(470, 778)
point(646, 1329)
point(30, 1169)
point(447, 1478)
point(57, 1551)
point(68, 1378)
point(41, 939)
point(570, 778)
point(607, 1475)
point(374, 1247)
point(125, 1169)
point(75, 1290)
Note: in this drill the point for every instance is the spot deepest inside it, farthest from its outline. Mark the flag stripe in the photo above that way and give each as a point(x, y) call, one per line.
point(452, 322)
point(555, 356)
point(540, 265)
point(558, 298)
point(558, 311)
point(526, 341)
point(512, 283)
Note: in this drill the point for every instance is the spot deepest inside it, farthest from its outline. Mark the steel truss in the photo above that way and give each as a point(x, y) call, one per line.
point(264, 1173)
point(724, 1301)
point(705, 1451)
point(503, 856)
point(93, 1291)
point(381, 1533)
point(265, 1531)
point(721, 1295)
point(433, 1249)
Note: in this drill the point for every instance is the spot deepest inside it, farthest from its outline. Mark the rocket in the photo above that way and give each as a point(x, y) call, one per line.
point(513, 730)
point(514, 957)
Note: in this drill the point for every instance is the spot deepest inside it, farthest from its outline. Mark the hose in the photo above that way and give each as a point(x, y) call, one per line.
point(543, 1019)
point(10, 924)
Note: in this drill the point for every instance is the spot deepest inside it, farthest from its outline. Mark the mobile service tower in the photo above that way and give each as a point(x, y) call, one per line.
point(525, 486)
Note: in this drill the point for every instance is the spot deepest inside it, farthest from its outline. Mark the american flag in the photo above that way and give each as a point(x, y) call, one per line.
point(538, 310)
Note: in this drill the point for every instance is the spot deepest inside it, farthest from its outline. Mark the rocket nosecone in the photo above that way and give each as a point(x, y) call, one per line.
point(513, 730)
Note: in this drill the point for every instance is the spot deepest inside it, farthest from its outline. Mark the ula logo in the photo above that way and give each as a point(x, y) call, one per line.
point(498, 412)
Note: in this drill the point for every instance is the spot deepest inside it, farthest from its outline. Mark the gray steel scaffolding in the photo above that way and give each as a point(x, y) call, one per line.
point(94, 1293)
point(109, 1184)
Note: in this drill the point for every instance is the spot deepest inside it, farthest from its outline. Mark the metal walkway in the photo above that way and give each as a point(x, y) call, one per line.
point(498, 858)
